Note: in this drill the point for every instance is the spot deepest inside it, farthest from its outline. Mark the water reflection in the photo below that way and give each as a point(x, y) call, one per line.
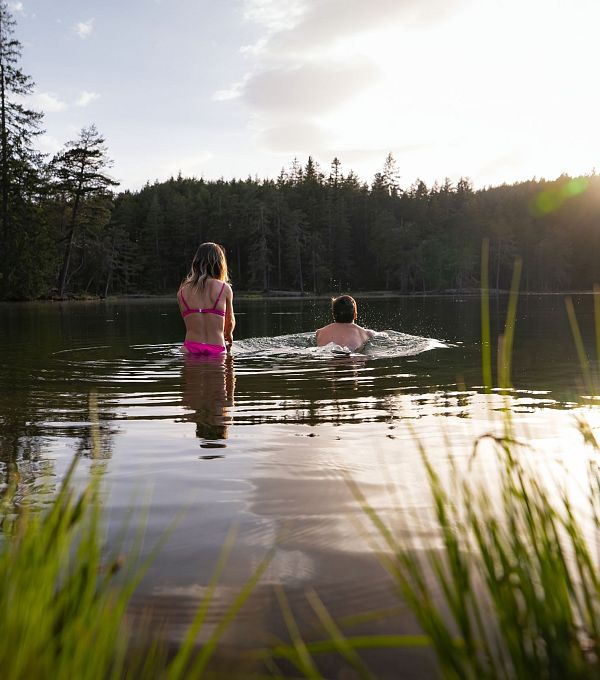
point(208, 385)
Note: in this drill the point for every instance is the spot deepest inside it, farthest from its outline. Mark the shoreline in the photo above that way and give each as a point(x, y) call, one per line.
point(289, 295)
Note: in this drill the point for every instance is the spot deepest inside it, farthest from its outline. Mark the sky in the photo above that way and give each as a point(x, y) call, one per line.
point(492, 90)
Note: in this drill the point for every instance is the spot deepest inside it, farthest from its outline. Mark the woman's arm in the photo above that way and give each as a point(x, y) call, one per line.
point(229, 316)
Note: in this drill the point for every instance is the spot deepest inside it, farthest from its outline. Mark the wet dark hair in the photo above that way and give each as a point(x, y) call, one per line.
point(343, 309)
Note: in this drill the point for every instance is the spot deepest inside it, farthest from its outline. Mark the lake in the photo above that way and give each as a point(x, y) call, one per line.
point(268, 439)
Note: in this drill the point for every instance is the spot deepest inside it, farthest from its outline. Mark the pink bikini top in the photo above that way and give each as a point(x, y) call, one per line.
point(212, 310)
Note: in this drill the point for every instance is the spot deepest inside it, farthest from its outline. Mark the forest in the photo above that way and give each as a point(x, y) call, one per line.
point(67, 230)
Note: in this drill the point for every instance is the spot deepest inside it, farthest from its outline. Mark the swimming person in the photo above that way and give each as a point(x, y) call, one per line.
point(206, 303)
point(344, 331)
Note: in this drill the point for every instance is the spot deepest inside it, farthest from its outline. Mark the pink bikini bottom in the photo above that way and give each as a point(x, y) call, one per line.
point(201, 348)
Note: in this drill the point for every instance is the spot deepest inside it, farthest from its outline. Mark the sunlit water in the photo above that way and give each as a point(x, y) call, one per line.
point(268, 438)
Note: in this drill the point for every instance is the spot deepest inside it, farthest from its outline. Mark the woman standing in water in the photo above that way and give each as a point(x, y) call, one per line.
point(206, 303)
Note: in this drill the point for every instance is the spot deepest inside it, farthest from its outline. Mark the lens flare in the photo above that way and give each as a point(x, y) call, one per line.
point(550, 200)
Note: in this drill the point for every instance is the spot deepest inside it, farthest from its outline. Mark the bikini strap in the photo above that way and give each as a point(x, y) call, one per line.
point(219, 296)
point(185, 304)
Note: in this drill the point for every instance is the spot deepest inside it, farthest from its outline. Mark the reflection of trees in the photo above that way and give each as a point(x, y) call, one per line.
point(208, 385)
point(45, 385)
point(95, 440)
point(20, 442)
point(23, 456)
point(342, 383)
point(354, 389)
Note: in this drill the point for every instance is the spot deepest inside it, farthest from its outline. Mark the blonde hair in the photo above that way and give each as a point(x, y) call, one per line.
point(209, 262)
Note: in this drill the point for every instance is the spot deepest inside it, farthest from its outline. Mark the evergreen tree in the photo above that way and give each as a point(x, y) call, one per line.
point(338, 229)
point(301, 232)
point(122, 261)
point(19, 162)
point(391, 176)
point(80, 172)
point(312, 195)
point(259, 251)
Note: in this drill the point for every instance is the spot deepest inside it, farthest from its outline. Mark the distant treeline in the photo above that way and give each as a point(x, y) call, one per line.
point(64, 230)
point(314, 232)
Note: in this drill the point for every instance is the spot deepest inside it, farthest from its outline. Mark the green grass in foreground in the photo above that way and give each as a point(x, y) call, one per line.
point(60, 616)
point(517, 573)
point(63, 612)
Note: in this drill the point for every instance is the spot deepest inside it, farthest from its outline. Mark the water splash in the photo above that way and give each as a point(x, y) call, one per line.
point(387, 344)
point(156, 361)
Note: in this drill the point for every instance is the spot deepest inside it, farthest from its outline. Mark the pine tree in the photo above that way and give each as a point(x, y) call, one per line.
point(79, 170)
point(19, 162)
point(122, 260)
point(312, 199)
point(391, 176)
point(259, 250)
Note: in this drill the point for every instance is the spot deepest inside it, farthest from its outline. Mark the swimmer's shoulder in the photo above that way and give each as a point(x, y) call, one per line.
point(322, 333)
point(366, 333)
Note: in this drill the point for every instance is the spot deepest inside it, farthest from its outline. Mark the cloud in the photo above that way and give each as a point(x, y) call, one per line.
point(16, 7)
point(314, 61)
point(84, 28)
point(297, 27)
point(504, 164)
point(309, 89)
point(48, 144)
point(295, 65)
point(294, 136)
point(47, 101)
point(86, 98)
point(358, 155)
point(274, 14)
point(190, 166)
point(232, 92)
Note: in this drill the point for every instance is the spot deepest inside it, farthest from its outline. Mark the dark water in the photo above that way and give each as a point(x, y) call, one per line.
point(267, 439)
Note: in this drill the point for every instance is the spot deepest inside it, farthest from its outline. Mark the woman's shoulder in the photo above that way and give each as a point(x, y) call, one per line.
point(218, 288)
point(226, 287)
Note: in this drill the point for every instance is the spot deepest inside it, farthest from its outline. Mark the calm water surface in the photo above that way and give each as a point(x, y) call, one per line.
point(267, 439)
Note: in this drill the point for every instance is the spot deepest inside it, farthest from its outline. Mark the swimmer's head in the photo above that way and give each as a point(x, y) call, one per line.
point(343, 309)
point(209, 262)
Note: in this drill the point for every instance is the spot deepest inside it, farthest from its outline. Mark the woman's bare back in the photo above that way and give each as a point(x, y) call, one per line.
point(203, 310)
